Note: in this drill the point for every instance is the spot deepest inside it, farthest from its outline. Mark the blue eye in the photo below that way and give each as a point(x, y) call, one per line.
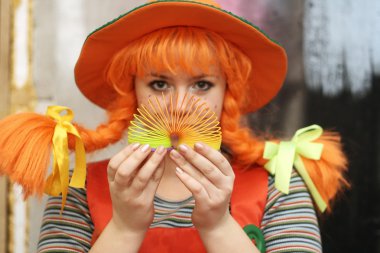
point(203, 85)
point(158, 85)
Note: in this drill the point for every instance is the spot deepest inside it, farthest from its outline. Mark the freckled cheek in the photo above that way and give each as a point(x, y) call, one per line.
point(214, 104)
point(142, 98)
point(143, 93)
point(154, 99)
point(217, 108)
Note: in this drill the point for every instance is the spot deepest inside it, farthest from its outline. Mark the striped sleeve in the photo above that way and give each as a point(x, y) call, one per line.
point(69, 232)
point(290, 223)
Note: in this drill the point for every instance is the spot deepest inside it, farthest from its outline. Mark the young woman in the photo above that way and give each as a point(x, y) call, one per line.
point(190, 198)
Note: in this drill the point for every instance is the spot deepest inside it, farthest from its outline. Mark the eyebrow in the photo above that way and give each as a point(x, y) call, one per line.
point(160, 76)
point(194, 77)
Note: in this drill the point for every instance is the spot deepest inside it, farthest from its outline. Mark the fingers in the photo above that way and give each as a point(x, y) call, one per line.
point(215, 157)
point(115, 162)
point(146, 172)
point(128, 167)
point(195, 187)
point(185, 165)
point(195, 173)
point(152, 185)
point(206, 167)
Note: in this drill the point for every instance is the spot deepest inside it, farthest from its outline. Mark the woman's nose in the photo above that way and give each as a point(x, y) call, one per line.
point(178, 100)
point(181, 93)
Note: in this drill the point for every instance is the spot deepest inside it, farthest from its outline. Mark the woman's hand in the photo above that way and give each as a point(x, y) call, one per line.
point(133, 184)
point(210, 178)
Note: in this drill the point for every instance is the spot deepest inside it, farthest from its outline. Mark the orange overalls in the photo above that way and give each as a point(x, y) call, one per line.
point(247, 207)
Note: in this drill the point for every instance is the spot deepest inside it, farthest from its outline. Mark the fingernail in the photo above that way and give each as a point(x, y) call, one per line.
point(199, 146)
point(183, 148)
point(160, 150)
point(179, 170)
point(135, 146)
point(145, 148)
point(175, 154)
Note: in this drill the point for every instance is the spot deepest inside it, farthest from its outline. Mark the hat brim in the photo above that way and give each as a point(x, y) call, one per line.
point(269, 61)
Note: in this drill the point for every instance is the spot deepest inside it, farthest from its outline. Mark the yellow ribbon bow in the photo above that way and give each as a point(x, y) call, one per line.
point(283, 156)
point(58, 181)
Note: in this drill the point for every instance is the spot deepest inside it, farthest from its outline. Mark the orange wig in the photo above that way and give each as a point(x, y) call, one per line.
point(168, 49)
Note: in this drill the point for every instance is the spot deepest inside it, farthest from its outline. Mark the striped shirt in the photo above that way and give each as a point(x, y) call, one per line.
point(169, 214)
point(289, 223)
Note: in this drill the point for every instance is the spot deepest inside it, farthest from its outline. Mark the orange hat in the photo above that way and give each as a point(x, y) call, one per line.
point(269, 61)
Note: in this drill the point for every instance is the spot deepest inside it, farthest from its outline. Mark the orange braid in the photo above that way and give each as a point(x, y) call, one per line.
point(246, 148)
point(327, 173)
point(25, 143)
point(120, 114)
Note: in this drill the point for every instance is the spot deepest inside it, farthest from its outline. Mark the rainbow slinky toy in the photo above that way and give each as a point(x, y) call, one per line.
point(170, 121)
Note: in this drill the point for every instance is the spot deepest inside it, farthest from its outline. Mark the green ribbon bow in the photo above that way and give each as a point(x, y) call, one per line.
point(283, 156)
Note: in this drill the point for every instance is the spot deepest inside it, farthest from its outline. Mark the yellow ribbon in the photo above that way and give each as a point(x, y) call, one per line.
point(58, 181)
point(283, 156)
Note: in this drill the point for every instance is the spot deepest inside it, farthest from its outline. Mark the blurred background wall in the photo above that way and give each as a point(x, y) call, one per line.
point(333, 81)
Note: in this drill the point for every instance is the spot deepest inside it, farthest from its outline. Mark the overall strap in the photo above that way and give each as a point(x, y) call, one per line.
point(249, 196)
point(98, 196)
